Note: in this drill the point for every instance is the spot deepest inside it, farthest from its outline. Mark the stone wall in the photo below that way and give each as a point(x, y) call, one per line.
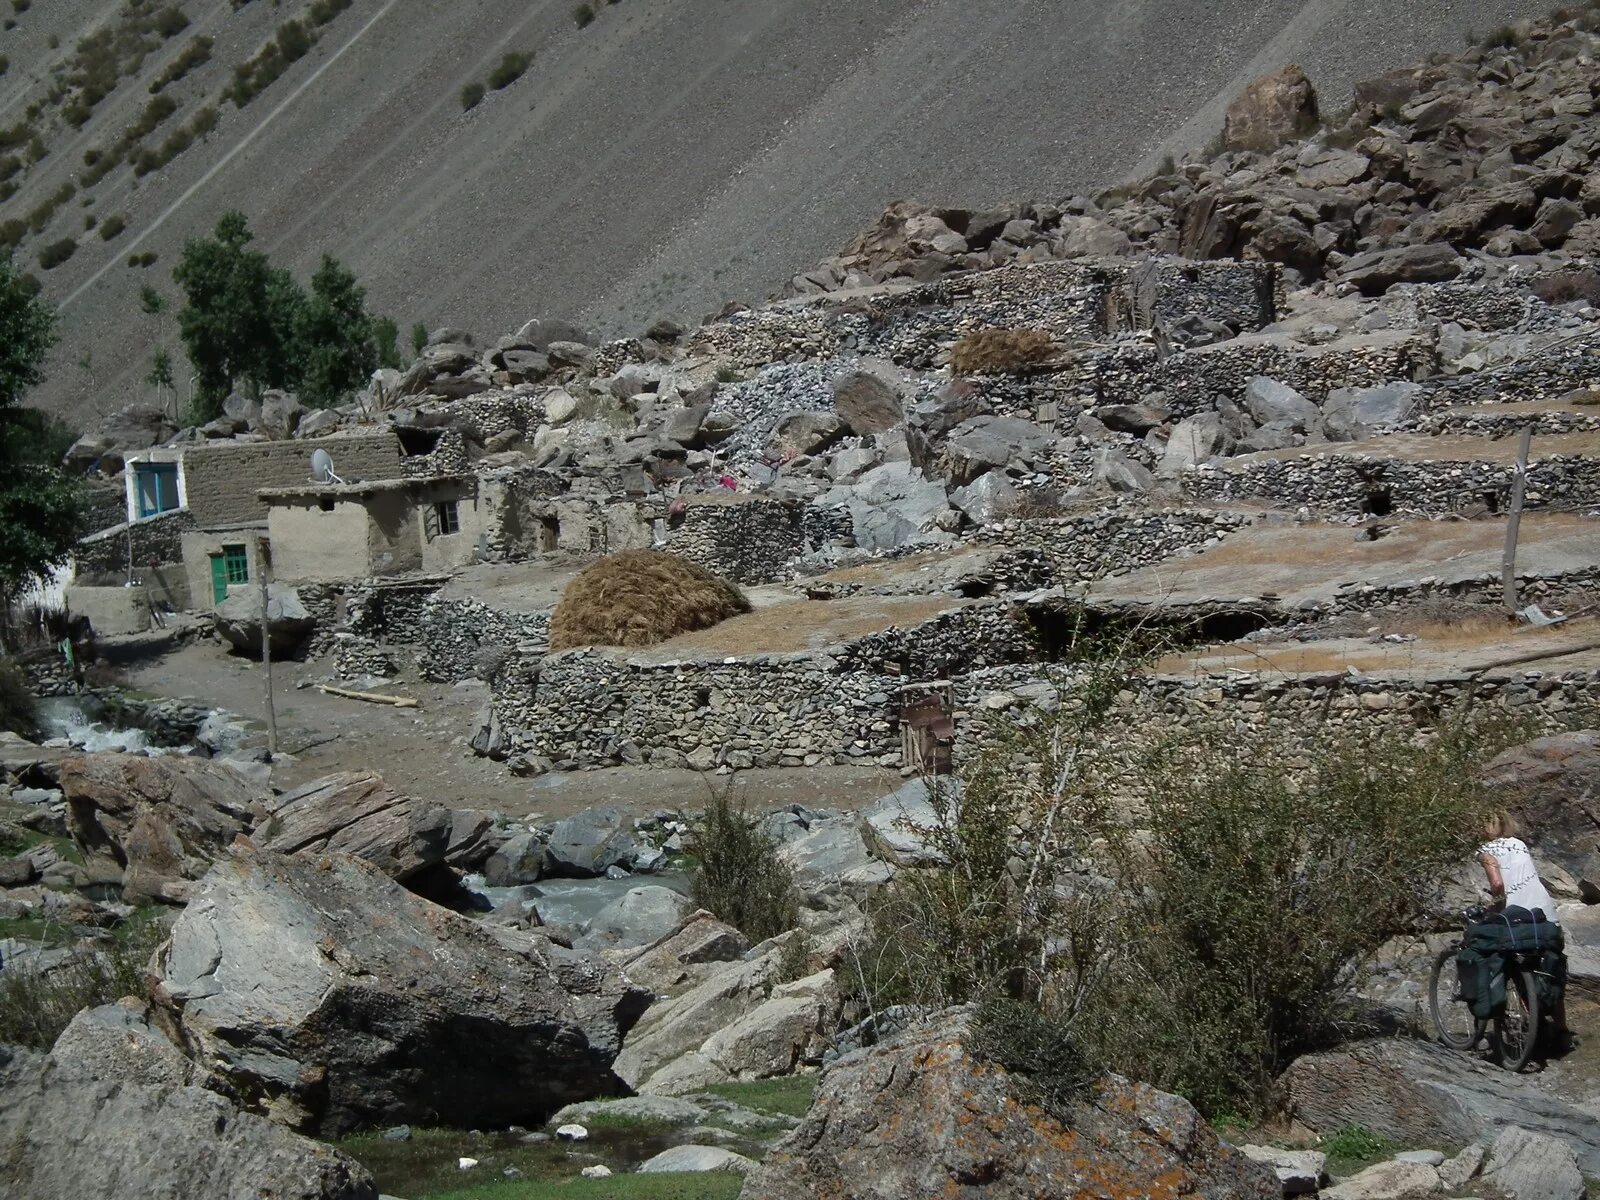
point(987, 703)
point(466, 639)
point(157, 540)
point(751, 541)
point(1542, 375)
point(221, 479)
point(590, 708)
point(1350, 484)
point(1111, 542)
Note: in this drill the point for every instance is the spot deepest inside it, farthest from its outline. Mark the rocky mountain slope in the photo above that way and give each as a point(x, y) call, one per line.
point(663, 159)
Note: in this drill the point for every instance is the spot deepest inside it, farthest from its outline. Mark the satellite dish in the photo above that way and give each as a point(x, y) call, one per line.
point(322, 467)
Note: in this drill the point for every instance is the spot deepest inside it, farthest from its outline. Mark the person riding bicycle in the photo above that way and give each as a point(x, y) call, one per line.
point(1514, 883)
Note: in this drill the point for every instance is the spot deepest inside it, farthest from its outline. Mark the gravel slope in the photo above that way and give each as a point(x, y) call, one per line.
point(673, 155)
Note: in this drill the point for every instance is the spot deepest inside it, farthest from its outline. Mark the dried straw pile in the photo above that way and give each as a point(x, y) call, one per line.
point(638, 598)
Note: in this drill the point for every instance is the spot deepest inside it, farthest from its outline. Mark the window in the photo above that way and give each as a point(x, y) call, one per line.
point(448, 516)
point(236, 564)
point(155, 487)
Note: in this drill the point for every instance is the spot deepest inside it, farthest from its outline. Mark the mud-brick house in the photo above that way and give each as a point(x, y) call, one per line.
point(343, 532)
point(195, 518)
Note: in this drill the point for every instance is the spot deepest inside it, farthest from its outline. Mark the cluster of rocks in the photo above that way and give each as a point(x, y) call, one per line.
point(1488, 153)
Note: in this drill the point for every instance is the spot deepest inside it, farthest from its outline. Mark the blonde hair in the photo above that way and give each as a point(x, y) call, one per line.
point(1500, 825)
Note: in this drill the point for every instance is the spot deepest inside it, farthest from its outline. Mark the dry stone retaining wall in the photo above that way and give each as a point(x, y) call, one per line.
point(156, 540)
point(1111, 543)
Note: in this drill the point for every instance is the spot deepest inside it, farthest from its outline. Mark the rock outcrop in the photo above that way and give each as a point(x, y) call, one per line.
point(238, 620)
point(1553, 786)
point(921, 1115)
point(67, 1134)
point(1419, 1094)
point(355, 812)
point(325, 995)
point(163, 821)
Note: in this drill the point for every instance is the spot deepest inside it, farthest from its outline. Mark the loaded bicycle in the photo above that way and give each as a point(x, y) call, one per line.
point(1496, 982)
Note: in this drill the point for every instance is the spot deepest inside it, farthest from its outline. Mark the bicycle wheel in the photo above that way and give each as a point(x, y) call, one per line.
point(1452, 1015)
point(1517, 1028)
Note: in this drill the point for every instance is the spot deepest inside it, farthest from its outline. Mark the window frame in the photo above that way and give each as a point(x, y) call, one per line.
point(447, 514)
point(236, 564)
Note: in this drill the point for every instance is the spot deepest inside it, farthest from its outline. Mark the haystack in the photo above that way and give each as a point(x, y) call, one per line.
point(638, 598)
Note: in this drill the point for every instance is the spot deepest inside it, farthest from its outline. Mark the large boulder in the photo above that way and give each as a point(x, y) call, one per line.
point(1553, 786)
point(891, 505)
point(923, 1115)
point(1274, 403)
point(238, 620)
point(1419, 1094)
point(1272, 110)
point(984, 443)
point(119, 1041)
point(330, 998)
point(280, 415)
point(136, 427)
point(740, 1022)
point(586, 843)
point(66, 1135)
point(1525, 1165)
point(903, 826)
point(1376, 272)
point(355, 812)
point(1194, 440)
point(687, 955)
point(162, 821)
point(866, 402)
point(1352, 413)
point(641, 916)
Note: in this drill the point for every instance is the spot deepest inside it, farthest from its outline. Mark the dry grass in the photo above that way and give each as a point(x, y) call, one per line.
point(809, 625)
point(639, 598)
point(1001, 351)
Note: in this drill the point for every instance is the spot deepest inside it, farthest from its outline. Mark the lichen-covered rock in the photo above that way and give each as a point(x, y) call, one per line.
point(325, 995)
point(1271, 111)
point(921, 1115)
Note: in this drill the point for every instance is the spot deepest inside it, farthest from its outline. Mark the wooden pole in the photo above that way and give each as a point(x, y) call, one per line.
point(262, 558)
point(1519, 485)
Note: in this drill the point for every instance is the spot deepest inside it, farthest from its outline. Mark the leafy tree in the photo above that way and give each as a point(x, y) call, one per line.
point(386, 337)
point(337, 349)
point(238, 319)
point(419, 337)
point(42, 511)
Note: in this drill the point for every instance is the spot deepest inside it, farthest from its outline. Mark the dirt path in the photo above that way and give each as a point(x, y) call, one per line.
point(424, 751)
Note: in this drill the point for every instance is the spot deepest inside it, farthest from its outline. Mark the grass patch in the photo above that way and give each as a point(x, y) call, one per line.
point(471, 96)
point(1001, 351)
point(789, 1095)
point(1353, 1148)
point(35, 1008)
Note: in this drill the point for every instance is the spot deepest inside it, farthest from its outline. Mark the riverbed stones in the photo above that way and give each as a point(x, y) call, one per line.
point(587, 843)
point(1527, 1165)
point(334, 999)
point(641, 916)
point(691, 1159)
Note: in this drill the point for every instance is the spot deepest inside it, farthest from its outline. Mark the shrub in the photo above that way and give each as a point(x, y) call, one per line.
point(18, 708)
point(12, 232)
point(21, 6)
point(1000, 351)
point(470, 96)
point(741, 877)
point(1564, 287)
point(197, 53)
point(583, 15)
point(638, 598)
point(324, 11)
point(147, 259)
point(36, 1006)
point(509, 71)
point(170, 22)
point(56, 253)
point(112, 226)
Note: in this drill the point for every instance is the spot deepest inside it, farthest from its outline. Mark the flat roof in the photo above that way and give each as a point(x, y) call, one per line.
point(357, 489)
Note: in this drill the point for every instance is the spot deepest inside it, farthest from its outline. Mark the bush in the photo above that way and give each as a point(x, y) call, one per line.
point(1000, 351)
point(18, 707)
point(112, 226)
point(583, 15)
point(509, 71)
point(1223, 909)
point(639, 598)
point(36, 1006)
point(741, 877)
point(56, 253)
point(1564, 287)
point(470, 96)
point(197, 53)
point(147, 259)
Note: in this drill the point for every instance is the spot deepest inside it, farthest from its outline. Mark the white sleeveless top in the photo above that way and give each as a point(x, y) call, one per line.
point(1521, 877)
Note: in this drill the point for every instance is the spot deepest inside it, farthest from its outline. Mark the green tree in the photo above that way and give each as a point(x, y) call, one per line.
point(419, 337)
point(238, 318)
point(42, 510)
point(386, 337)
point(336, 347)
point(151, 302)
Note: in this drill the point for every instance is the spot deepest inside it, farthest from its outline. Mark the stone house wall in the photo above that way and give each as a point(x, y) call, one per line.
point(222, 479)
point(157, 541)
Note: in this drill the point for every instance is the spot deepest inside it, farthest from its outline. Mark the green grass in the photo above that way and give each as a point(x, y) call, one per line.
point(38, 929)
point(1354, 1147)
point(706, 1185)
point(790, 1095)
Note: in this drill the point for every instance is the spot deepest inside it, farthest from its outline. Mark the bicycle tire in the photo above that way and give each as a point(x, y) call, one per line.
point(1517, 1028)
point(1444, 974)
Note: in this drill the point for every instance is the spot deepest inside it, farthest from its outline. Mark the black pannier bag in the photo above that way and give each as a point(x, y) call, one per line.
point(1480, 965)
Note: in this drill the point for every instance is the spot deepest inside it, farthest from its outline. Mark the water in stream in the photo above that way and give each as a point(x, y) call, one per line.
point(83, 722)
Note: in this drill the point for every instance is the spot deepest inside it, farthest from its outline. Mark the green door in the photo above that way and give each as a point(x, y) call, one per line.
point(219, 579)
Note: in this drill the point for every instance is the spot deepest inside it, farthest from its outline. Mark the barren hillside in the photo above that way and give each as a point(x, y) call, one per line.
point(667, 157)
